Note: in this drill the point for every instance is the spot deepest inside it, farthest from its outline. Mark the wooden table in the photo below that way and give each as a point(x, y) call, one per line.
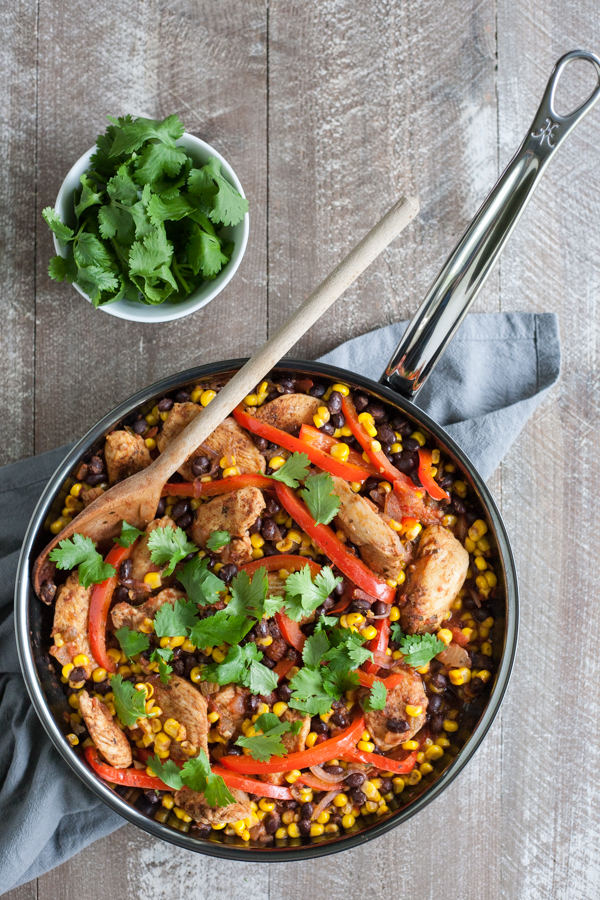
point(328, 110)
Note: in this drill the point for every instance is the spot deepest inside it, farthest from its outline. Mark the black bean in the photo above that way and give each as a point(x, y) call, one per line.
point(480, 615)
point(140, 426)
point(178, 667)
point(335, 819)
point(355, 780)
point(145, 805)
point(93, 480)
point(290, 804)
point(190, 661)
point(360, 402)
point(180, 508)
point(260, 443)
point(306, 810)
point(317, 390)
point(339, 589)
point(256, 526)
point(446, 482)
point(165, 404)
point(379, 608)
point(269, 549)
point(479, 661)
point(77, 675)
point(268, 662)
point(125, 570)
point(469, 603)
point(400, 425)
point(358, 797)
point(232, 750)
point(121, 594)
point(340, 719)
point(182, 397)
point(439, 681)
point(437, 723)
point(200, 829)
point(185, 521)
point(102, 687)
point(96, 465)
point(327, 428)
point(338, 420)
point(411, 444)
point(397, 726)
point(228, 572)
point(272, 822)
point(200, 466)
point(414, 475)
point(471, 517)
point(304, 826)
point(334, 404)
point(273, 506)
point(160, 509)
point(359, 605)
point(270, 530)
point(333, 770)
point(284, 692)
point(153, 796)
point(328, 603)
point(386, 786)
point(458, 505)
point(371, 484)
point(252, 703)
point(435, 704)
point(376, 410)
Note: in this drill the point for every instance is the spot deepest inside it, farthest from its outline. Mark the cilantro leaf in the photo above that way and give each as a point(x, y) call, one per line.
point(130, 704)
point(201, 585)
point(318, 494)
point(132, 642)
point(159, 210)
point(325, 622)
point(205, 253)
point(338, 681)
point(89, 250)
point(53, 220)
point(377, 698)
point(260, 679)
point(93, 280)
point(311, 693)
point(242, 665)
point(218, 539)
point(175, 619)
point(396, 632)
point(227, 204)
point(156, 160)
point(248, 596)
point(347, 652)
point(122, 188)
point(219, 629)
point(81, 551)
point(169, 545)
point(293, 471)
point(263, 746)
point(116, 221)
point(314, 648)
point(419, 649)
point(150, 258)
point(130, 135)
point(197, 775)
point(167, 771)
point(272, 605)
point(302, 595)
point(163, 656)
point(61, 269)
point(89, 197)
point(129, 534)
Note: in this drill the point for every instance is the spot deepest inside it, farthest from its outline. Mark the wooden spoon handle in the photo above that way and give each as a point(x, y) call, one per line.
point(244, 381)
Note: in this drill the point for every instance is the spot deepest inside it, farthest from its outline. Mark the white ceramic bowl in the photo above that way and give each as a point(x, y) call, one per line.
point(200, 152)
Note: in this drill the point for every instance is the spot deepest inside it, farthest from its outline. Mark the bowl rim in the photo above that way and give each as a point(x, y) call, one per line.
point(164, 312)
point(222, 850)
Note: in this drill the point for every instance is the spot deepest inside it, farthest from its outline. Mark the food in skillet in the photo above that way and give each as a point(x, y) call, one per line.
point(299, 638)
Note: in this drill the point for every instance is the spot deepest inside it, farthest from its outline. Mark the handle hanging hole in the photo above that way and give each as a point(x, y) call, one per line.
point(578, 79)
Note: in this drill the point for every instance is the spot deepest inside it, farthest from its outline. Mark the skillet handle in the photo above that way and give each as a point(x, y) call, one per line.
point(466, 269)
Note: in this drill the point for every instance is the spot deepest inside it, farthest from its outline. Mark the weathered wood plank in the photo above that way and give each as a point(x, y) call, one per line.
point(153, 59)
point(25, 892)
point(17, 227)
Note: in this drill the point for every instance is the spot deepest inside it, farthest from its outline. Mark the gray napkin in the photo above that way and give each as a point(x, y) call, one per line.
point(490, 380)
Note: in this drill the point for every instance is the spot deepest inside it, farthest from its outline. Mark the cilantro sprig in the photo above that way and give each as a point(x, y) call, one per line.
point(129, 534)
point(81, 551)
point(130, 704)
point(419, 649)
point(242, 665)
point(175, 619)
point(293, 471)
point(148, 223)
point(218, 539)
point(201, 585)
point(303, 595)
point(376, 698)
point(330, 661)
point(169, 545)
point(132, 642)
point(263, 746)
point(195, 774)
point(163, 656)
point(318, 494)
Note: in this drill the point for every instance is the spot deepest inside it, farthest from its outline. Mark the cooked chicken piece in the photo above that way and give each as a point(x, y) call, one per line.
point(90, 495)
point(405, 501)
point(104, 731)
point(230, 702)
point(289, 411)
point(227, 438)
point(384, 725)
point(433, 581)
point(379, 545)
point(71, 615)
point(133, 616)
point(196, 806)
point(125, 455)
point(182, 701)
point(141, 560)
point(235, 513)
point(293, 743)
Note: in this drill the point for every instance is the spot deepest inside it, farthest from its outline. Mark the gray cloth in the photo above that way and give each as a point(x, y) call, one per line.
point(489, 382)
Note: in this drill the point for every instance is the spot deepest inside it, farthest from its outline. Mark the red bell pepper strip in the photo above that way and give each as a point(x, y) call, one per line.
point(303, 759)
point(426, 478)
point(288, 561)
point(288, 442)
point(291, 631)
point(99, 607)
point(220, 486)
point(327, 540)
point(384, 763)
point(378, 644)
point(283, 667)
point(390, 682)
point(130, 777)
point(324, 442)
point(406, 501)
point(382, 464)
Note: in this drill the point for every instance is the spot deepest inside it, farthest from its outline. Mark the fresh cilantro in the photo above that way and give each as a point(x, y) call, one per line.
point(302, 595)
point(347, 652)
point(81, 551)
point(396, 632)
point(218, 539)
point(339, 681)
point(163, 656)
point(263, 746)
point(419, 649)
point(132, 642)
point(197, 775)
point(169, 545)
point(318, 494)
point(376, 698)
point(219, 629)
point(201, 585)
point(129, 703)
point(242, 665)
point(314, 648)
point(325, 622)
point(312, 692)
point(148, 226)
point(294, 470)
point(175, 619)
point(272, 605)
point(167, 771)
point(128, 535)
point(248, 595)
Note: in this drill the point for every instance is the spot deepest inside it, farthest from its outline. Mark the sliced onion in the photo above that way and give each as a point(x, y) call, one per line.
point(455, 655)
point(383, 660)
point(325, 802)
point(373, 618)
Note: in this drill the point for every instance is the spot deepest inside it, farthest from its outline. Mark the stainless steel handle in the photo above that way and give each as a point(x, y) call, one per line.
point(468, 266)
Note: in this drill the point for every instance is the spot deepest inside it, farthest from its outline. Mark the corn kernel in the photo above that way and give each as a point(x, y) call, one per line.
point(67, 669)
point(348, 821)
point(425, 768)
point(153, 580)
point(207, 396)
point(460, 488)
point(413, 711)
point(340, 800)
point(419, 437)
point(73, 739)
point(410, 745)
point(490, 578)
point(369, 632)
point(468, 633)
point(434, 752)
point(355, 486)
point(486, 649)
point(76, 489)
point(324, 413)
point(311, 739)
point(171, 727)
point(398, 784)
point(394, 614)
point(280, 834)
point(342, 389)
point(276, 462)
point(445, 635)
point(231, 472)
point(450, 725)
point(257, 541)
point(279, 708)
point(449, 521)
point(366, 746)
point(266, 805)
point(375, 446)
point(292, 776)
point(168, 801)
point(340, 452)
point(483, 674)
point(218, 826)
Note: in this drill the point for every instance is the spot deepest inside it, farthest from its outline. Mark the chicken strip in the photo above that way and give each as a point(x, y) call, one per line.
point(390, 726)
point(230, 703)
point(71, 617)
point(125, 455)
point(182, 701)
point(227, 438)
point(293, 743)
point(104, 731)
point(235, 513)
point(141, 560)
point(196, 806)
point(433, 581)
point(289, 411)
point(378, 544)
point(134, 616)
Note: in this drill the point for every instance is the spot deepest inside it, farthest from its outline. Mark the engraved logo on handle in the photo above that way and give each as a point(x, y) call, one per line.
point(546, 133)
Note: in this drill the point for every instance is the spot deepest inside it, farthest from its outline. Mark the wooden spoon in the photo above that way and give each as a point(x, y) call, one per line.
point(136, 499)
